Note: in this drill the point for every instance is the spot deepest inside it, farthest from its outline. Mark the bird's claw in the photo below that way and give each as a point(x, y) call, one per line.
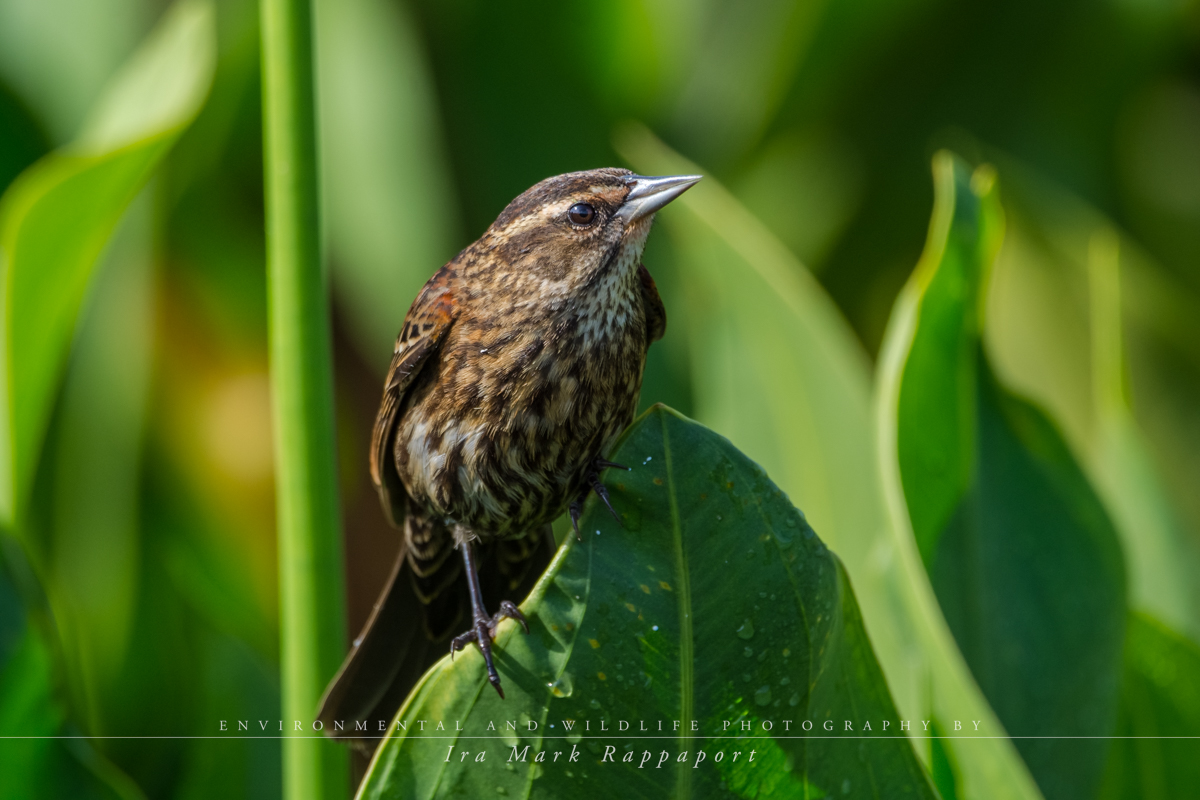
point(594, 485)
point(576, 511)
point(602, 492)
point(483, 633)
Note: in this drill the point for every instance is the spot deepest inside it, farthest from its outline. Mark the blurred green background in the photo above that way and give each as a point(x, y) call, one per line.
point(140, 596)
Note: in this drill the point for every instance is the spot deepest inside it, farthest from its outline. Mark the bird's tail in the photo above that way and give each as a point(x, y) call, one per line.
point(422, 605)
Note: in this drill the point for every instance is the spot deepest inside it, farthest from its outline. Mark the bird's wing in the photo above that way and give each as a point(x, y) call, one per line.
point(656, 312)
point(425, 326)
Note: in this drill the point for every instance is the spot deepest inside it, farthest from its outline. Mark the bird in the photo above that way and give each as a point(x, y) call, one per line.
point(515, 370)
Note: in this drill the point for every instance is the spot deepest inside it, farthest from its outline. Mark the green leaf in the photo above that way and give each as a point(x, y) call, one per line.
point(57, 217)
point(1072, 310)
point(59, 54)
point(715, 605)
point(1154, 757)
point(781, 373)
point(88, 546)
point(1026, 566)
point(1075, 316)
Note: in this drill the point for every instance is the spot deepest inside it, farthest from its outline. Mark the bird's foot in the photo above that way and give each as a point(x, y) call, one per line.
point(594, 485)
point(483, 633)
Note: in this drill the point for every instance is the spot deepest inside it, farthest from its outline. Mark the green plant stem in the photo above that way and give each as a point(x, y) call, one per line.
point(312, 619)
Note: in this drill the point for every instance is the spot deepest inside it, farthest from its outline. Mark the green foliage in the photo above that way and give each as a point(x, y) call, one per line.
point(1070, 302)
point(778, 369)
point(57, 217)
point(715, 603)
point(1024, 561)
point(1155, 758)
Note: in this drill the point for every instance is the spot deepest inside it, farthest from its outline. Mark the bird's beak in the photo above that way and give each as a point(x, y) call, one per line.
point(648, 195)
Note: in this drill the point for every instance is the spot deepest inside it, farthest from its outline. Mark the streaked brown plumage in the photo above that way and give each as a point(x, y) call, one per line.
point(516, 368)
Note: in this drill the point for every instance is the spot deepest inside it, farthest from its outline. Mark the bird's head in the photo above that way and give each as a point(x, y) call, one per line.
point(582, 229)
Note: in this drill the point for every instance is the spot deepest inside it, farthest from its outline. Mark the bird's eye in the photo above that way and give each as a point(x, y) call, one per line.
point(581, 214)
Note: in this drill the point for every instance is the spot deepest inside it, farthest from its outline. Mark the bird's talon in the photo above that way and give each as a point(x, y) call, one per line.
point(604, 463)
point(509, 609)
point(600, 490)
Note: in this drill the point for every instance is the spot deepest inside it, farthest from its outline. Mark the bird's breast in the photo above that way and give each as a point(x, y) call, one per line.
point(502, 437)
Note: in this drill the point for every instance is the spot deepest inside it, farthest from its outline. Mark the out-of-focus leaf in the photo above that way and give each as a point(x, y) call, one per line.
point(21, 140)
point(59, 53)
point(741, 68)
point(33, 761)
point(57, 217)
point(714, 72)
point(713, 604)
point(388, 198)
point(91, 552)
point(805, 188)
point(1025, 563)
point(1153, 755)
point(1066, 298)
point(779, 371)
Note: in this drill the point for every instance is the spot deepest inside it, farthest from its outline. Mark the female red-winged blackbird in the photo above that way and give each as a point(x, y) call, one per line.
point(516, 368)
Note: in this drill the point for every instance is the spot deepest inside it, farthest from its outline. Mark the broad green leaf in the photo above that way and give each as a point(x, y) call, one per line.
point(1153, 756)
point(1069, 302)
point(1068, 298)
point(57, 217)
point(714, 605)
point(1025, 564)
point(781, 373)
point(388, 198)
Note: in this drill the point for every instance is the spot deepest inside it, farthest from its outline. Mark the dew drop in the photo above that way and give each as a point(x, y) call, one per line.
point(594, 703)
point(501, 790)
point(746, 631)
point(794, 700)
point(563, 687)
point(653, 627)
point(748, 652)
point(763, 695)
